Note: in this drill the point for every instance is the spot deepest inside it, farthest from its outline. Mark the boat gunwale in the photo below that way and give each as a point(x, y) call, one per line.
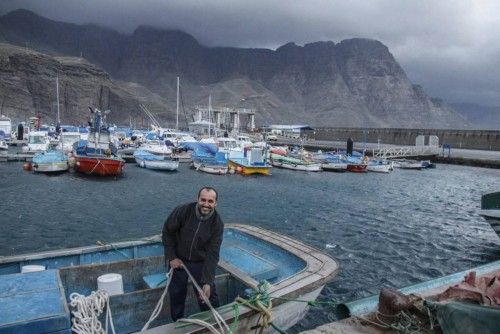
point(319, 268)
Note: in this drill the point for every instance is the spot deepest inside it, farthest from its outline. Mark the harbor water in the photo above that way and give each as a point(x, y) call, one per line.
point(389, 230)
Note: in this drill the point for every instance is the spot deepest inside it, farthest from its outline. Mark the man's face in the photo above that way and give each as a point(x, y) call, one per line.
point(207, 201)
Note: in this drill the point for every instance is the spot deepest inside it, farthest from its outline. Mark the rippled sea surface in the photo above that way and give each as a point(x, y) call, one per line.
point(385, 230)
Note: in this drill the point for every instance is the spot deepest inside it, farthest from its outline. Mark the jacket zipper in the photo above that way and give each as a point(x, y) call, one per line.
point(194, 239)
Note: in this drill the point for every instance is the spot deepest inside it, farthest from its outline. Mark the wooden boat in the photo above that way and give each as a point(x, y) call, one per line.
point(364, 316)
point(218, 169)
point(251, 163)
point(294, 164)
point(149, 160)
point(490, 210)
point(295, 272)
point(50, 162)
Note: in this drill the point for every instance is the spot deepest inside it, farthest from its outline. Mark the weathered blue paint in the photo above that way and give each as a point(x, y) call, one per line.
point(259, 257)
point(142, 268)
point(32, 303)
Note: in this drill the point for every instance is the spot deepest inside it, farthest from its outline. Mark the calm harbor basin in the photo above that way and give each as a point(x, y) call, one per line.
point(386, 230)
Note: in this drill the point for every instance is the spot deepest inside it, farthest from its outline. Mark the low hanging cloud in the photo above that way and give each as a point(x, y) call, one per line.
point(451, 48)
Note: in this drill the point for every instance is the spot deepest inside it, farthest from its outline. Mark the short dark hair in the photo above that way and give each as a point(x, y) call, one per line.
point(209, 189)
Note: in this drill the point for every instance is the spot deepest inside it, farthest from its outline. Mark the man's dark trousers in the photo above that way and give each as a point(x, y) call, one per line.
point(178, 290)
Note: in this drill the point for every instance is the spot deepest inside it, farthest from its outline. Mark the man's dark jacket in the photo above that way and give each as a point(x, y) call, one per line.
point(191, 237)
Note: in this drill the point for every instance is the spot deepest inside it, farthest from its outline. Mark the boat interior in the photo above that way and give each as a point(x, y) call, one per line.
point(245, 261)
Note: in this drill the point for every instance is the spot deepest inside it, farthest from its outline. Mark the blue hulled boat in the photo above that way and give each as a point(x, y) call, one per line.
point(50, 162)
point(149, 160)
point(40, 301)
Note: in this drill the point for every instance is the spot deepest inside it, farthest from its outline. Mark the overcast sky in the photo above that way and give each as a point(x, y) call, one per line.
point(451, 48)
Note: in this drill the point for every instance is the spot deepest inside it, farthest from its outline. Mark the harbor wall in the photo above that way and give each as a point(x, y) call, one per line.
point(465, 139)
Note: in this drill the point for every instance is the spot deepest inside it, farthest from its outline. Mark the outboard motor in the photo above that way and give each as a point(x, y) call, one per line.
point(350, 145)
point(20, 132)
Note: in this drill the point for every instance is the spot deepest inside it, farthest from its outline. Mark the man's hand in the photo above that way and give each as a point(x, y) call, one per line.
point(176, 263)
point(206, 291)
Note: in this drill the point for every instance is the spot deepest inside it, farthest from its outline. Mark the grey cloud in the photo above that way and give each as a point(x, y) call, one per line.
point(449, 47)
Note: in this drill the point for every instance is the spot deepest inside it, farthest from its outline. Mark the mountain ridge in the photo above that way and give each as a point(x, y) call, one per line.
point(356, 82)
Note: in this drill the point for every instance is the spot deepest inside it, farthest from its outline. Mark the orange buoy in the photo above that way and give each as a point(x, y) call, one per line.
point(239, 169)
point(27, 166)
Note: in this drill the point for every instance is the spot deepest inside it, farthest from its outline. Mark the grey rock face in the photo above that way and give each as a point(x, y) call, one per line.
point(356, 82)
point(28, 88)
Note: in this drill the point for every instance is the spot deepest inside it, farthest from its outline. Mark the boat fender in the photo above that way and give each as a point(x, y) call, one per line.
point(142, 164)
point(27, 166)
point(231, 170)
point(71, 161)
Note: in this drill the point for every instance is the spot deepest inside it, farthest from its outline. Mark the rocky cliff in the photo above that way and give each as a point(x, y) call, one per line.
point(28, 88)
point(356, 82)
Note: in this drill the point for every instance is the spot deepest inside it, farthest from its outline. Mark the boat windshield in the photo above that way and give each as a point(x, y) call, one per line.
point(71, 138)
point(228, 144)
point(36, 140)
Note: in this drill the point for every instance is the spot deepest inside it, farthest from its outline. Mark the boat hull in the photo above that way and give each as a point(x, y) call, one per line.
point(55, 167)
point(249, 170)
point(493, 218)
point(334, 167)
point(490, 210)
point(300, 167)
point(379, 168)
point(210, 169)
point(101, 166)
point(166, 165)
point(357, 168)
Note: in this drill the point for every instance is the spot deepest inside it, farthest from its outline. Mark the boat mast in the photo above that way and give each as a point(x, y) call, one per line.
point(58, 120)
point(209, 107)
point(57, 90)
point(177, 120)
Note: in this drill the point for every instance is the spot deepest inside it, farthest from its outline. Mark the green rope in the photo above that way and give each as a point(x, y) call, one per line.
point(234, 325)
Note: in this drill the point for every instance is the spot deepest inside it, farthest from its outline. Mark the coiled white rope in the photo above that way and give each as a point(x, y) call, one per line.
point(88, 309)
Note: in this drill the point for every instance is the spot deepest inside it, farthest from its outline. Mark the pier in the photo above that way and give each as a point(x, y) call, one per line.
point(15, 157)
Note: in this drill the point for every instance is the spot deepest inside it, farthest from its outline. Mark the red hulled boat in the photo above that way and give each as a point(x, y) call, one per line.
point(97, 156)
point(99, 165)
point(357, 168)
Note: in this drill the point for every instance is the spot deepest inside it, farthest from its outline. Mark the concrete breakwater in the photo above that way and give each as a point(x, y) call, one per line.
point(461, 139)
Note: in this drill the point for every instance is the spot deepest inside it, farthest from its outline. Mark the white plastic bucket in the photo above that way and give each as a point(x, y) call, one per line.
point(111, 283)
point(31, 268)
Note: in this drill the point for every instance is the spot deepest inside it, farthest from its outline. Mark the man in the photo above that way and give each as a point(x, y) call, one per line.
point(192, 236)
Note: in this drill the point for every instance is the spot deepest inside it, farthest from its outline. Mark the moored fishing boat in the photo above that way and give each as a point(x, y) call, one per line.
point(378, 166)
point(294, 273)
point(50, 162)
point(294, 163)
point(97, 155)
point(149, 160)
point(462, 302)
point(210, 168)
point(490, 210)
point(408, 164)
point(252, 162)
